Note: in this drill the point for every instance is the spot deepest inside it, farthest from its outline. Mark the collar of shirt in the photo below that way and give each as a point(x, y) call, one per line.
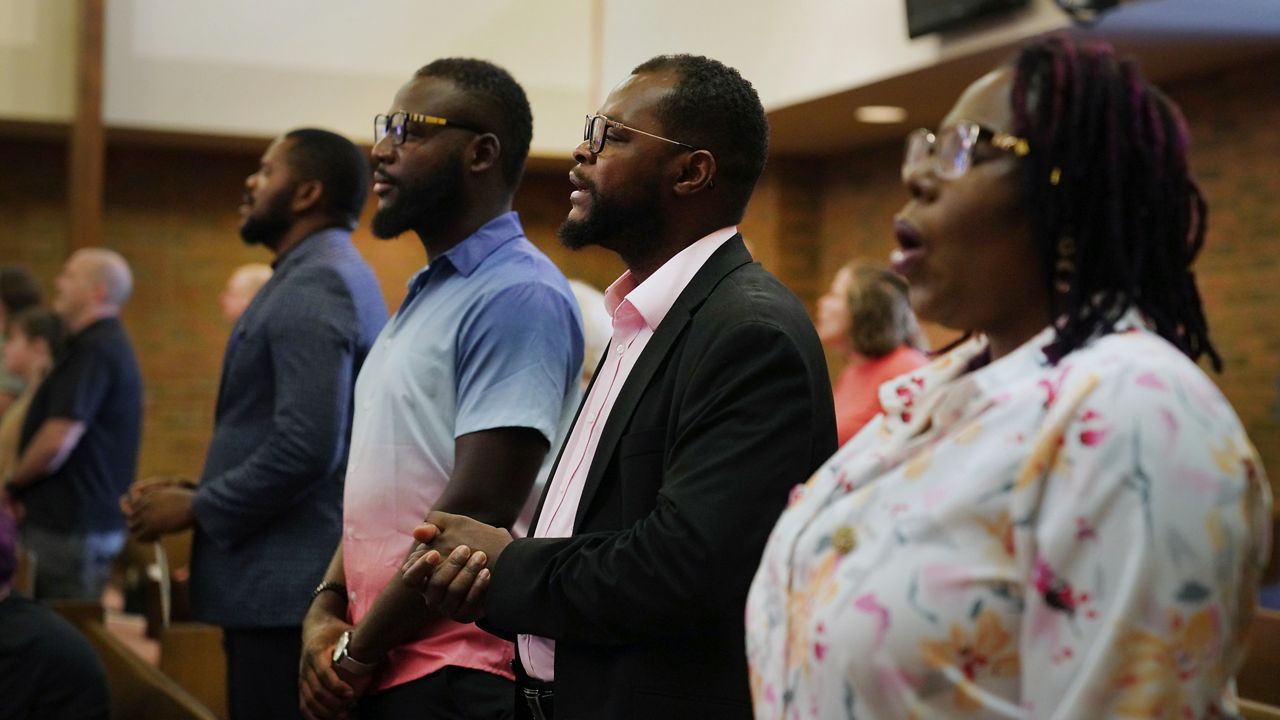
point(305, 247)
point(1029, 361)
point(467, 255)
point(100, 325)
point(653, 298)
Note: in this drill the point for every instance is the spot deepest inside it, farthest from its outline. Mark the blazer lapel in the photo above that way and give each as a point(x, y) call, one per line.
point(730, 256)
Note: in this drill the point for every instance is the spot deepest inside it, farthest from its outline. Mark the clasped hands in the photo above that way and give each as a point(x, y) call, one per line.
point(158, 506)
point(451, 564)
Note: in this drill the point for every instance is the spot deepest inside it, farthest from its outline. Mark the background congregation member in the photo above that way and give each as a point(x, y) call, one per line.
point(866, 317)
point(462, 396)
point(79, 445)
point(712, 403)
point(242, 286)
point(1062, 517)
point(268, 508)
point(34, 340)
point(18, 291)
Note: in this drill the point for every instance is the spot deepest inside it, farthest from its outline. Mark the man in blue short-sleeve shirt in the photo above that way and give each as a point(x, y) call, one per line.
point(458, 403)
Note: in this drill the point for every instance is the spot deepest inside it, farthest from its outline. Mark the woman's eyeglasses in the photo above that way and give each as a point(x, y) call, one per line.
point(951, 150)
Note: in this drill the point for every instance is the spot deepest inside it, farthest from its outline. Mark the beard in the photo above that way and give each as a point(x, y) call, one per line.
point(433, 200)
point(268, 227)
point(624, 229)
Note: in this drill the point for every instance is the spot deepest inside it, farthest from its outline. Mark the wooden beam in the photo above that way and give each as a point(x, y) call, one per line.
point(86, 156)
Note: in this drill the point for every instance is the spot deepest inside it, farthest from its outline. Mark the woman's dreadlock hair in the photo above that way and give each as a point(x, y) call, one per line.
point(1109, 187)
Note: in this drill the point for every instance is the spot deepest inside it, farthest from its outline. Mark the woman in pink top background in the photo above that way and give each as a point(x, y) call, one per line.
point(865, 317)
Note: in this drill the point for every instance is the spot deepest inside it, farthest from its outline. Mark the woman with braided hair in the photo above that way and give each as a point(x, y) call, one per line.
point(1061, 516)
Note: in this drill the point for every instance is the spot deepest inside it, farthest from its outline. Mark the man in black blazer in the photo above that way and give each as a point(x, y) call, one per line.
point(627, 601)
point(268, 509)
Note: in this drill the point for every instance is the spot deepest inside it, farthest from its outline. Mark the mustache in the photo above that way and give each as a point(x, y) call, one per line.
point(582, 183)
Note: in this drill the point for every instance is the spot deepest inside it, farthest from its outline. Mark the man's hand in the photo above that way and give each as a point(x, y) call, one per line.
point(454, 586)
point(323, 694)
point(159, 510)
point(142, 487)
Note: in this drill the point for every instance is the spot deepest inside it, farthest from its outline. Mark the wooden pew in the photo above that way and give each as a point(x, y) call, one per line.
point(1259, 679)
point(138, 689)
point(1250, 710)
point(191, 655)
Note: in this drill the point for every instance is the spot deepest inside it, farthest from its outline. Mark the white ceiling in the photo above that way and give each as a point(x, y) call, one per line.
point(1172, 39)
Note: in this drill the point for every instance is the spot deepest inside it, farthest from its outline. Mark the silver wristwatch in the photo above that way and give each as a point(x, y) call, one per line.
point(342, 660)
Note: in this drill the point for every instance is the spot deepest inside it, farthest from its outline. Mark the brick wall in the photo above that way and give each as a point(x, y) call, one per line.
point(173, 214)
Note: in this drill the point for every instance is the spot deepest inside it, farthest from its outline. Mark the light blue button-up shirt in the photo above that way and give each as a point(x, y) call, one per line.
point(489, 336)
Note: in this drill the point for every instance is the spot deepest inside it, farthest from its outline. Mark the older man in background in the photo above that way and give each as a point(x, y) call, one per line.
point(79, 445)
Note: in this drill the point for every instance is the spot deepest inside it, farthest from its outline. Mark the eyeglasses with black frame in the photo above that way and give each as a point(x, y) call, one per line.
point(395, 125)
point(951, 150)
point(597, 129)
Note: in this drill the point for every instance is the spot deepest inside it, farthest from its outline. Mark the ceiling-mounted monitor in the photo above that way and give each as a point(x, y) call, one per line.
point(926, 16)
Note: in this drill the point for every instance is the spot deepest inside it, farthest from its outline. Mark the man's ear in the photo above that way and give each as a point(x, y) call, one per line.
point(306, 195)
point(99, 292)
point(484, 151)
point(697, 173)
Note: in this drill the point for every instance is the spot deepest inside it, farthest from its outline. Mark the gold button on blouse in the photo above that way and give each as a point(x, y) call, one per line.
point(844, 539)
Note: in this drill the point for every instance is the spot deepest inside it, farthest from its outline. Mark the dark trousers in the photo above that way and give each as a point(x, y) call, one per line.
point(535, 699)
point(262, 672)
point(450, 693)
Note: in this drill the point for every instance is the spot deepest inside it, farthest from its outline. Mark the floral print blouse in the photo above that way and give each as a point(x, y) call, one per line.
point(1020, 540)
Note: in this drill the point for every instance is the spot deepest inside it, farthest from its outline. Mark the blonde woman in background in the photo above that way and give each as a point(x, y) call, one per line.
point(866, 318)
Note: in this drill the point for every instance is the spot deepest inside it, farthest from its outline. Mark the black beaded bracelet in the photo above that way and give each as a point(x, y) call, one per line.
point(332, 586)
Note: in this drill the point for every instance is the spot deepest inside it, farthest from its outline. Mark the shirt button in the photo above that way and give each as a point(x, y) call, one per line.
point(844, 540)
point(622, 349)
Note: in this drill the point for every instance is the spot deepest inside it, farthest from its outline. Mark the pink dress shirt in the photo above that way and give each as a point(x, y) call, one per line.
point(637, 311)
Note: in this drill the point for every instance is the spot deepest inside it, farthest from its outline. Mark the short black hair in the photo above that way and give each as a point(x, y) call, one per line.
point(18, 289)
point(340, 166)
point(714, 108)
point(505, 106)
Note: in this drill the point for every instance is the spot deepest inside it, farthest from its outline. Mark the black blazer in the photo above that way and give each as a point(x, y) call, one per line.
point(728, 408)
